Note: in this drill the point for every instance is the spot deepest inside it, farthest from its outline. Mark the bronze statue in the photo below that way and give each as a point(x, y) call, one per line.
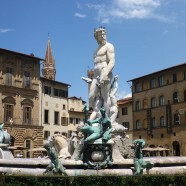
point(139, 164)
point(55, 165)
point(103, 130)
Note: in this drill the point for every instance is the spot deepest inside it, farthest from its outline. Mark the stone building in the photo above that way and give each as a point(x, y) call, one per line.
point(19, 98)
point(76, 113)
point(159, 109)
point(54, 107)
point(125, 115)
point(54, 99)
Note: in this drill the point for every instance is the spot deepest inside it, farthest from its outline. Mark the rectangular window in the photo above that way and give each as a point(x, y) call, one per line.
point(64, 121)
point(138, 125)
point(137, 87)
point(46, 116)
point(77, 120)
point(9, 74)
point(71, 120)
point(60, 93)
point(28, 145)
point(153, 102)
point(174, 78)
point(161, 101)
point(126, 125)
point(8, 112)
point(161, 81)
point(162, 121)
point(184, 75)
point(26, 79)
point(64, 107)
point(56, 118)
point(152, 83)
point(46, 134)
point(137, 105)
point(154, 124)
point(125, 111)
point(175, 97)
point(56, 92)
point(47, 90)
point(176, 119)
point(27, 115)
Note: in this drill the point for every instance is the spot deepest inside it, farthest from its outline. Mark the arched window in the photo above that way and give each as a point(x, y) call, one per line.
point(27, 111)
point(176, 119)
point(154, 124)
point(9, 103)
point(137, 105)
point(153, 102)
point(161, 101)
point(175, 97)
point(162, 121)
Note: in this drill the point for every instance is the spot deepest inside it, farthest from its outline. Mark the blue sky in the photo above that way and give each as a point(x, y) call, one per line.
point(148, 35)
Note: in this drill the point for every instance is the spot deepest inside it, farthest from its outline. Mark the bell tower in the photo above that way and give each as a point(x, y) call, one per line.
point(49, 70)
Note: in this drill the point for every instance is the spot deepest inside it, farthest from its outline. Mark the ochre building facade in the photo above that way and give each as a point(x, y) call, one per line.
point(19, 98)
point(159, 109)
point(125, 115)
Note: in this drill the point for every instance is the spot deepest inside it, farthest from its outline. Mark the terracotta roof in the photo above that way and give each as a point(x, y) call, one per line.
point(53, 81)
point(160, 71)
point(18, 53)
point(124, 101)
point(74, 97)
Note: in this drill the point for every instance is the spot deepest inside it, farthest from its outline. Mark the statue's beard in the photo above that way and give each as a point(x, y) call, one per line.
point(102, 42)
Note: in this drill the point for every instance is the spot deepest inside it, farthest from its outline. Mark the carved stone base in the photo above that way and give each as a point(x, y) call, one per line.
point(98, 155)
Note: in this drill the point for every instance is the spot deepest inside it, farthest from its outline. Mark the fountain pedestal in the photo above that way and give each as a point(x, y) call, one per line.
point(98, 155)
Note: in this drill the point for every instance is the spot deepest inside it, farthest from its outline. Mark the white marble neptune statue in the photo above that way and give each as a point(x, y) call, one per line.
point(100, 88)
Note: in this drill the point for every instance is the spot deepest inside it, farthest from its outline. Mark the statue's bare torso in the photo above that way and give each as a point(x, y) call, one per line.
point(103, 55)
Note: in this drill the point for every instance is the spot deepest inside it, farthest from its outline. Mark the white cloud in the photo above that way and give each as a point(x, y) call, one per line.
point(2, 30)
point(123, 94)
point(128, 9)
point(137, 3)
point(79, 15)
point(128, 95)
